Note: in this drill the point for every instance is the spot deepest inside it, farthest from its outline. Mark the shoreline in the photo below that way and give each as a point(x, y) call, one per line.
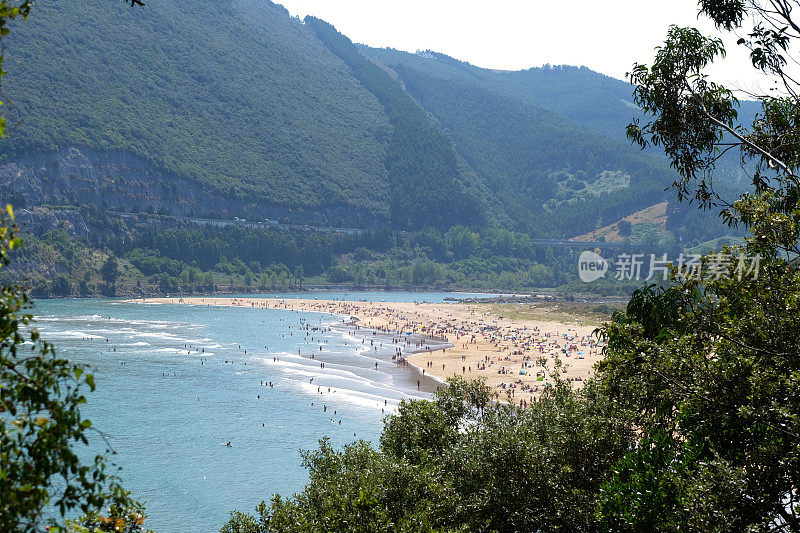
point(514, 353)
point(428, 380)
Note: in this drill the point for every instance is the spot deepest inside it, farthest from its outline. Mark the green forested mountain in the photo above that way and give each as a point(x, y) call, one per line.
point(125, 124)
point(547, 172)
point(235, 94)
point(594, 101)
point(422, 165)
point(257, 106)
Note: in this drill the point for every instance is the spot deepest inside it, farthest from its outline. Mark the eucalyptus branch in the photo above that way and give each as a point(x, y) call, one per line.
point(753, 348)
point(785, 11)
point(790, 518)
point(723, 152)
point(777, 162)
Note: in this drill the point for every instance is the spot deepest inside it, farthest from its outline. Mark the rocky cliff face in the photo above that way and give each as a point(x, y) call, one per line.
point(39, 220)
point(121, 181)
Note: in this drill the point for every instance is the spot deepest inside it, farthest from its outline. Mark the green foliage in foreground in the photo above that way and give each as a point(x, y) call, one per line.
point(125, 517)
point(42, 476)
point(41, 427)
point(457, 463)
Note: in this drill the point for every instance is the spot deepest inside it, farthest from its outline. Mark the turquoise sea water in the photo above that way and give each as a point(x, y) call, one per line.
point(175, 383)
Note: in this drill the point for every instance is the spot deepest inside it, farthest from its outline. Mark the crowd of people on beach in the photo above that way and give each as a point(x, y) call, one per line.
point(517, 357)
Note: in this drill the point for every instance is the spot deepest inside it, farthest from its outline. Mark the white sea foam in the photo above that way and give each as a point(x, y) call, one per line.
point(171, 350)
point(335, 378)
point(111, 332)
point(167, 337)
point(70, 334)
point(328, 371)
point(360, 398)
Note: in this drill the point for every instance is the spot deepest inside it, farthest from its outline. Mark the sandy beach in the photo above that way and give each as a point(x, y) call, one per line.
point(506, 345)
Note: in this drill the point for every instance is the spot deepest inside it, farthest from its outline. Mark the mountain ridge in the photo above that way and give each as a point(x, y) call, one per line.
point(266, 110)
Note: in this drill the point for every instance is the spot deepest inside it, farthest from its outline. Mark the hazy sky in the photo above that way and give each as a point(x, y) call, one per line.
point(604, 35)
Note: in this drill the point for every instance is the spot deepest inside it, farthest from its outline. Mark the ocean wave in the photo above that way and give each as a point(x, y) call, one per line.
point(171, 350)
point(167, 337)
point(355, 397)
point(335, 378)
point(70, 334)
